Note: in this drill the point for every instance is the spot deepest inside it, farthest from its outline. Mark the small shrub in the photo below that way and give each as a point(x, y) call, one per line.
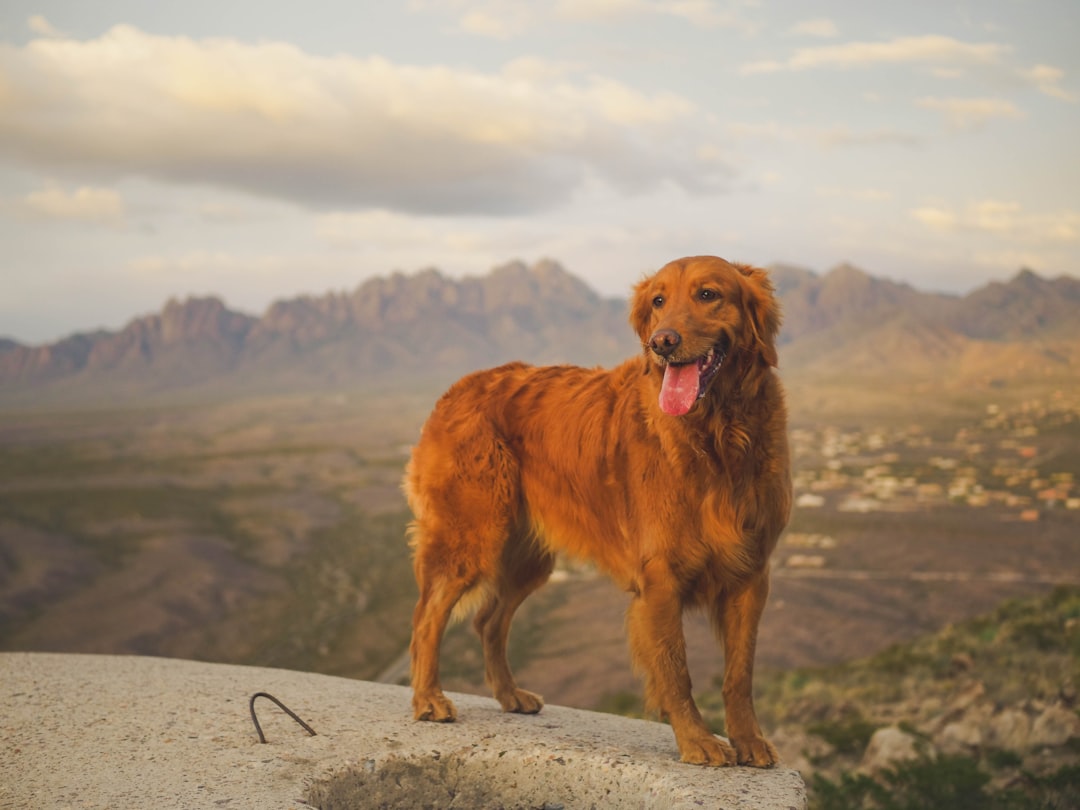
point(1002, 758)
point(849, 736)
point(852, 793)
point(945, 783)
point(926, 783)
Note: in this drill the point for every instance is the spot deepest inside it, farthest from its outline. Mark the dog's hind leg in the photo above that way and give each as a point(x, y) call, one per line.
point(439, 594)
point(462, 487)
point(524, 568)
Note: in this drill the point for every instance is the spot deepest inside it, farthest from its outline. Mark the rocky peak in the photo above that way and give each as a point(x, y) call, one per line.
point(305, 315)
point(195, 318)
point(1028, 279)
point(401, 298)
point(545, 284)
point(1026, 305)
point(848, 287)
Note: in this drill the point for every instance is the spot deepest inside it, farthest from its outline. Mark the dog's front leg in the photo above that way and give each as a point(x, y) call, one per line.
point(659, 651)
point(736, 615)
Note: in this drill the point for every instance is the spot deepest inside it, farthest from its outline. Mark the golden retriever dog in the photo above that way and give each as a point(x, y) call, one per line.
point(669, 472)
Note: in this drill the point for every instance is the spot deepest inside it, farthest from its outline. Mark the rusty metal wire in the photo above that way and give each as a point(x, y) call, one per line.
point(283, 707)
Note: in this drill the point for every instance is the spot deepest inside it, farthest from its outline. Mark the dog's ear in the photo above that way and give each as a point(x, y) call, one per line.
point(641, 309)
point(763, 309)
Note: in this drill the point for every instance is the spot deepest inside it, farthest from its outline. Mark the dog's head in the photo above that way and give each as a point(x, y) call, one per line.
point(700, 318)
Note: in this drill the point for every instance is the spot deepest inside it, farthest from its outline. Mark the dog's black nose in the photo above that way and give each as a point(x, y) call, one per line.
point(665, 341)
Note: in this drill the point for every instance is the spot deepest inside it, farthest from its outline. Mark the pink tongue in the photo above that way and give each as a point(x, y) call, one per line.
point(680, 389)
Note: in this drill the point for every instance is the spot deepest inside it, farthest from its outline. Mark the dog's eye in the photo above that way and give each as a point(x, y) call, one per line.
point(658, 302)
point(708, 295)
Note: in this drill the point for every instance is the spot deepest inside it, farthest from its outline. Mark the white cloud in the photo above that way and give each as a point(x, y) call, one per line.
point(341, 132)
point(945, 57)
point(42, 27)
point(826, 138)
point(761, 66)
point(930, 49)
point(498, 19)
point(97, 206)
point(1005, 219)
point(940, 219)
point(626, 106)
point(968, 113)
point(821, 27)
point(1047, 80)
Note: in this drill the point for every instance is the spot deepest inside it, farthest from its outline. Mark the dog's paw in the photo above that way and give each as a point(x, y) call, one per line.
point(757, 752)
point(436, 708)
point(708, 750)
point(521, 702)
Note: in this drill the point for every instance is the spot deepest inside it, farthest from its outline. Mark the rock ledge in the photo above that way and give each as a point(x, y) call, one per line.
point(88, 731)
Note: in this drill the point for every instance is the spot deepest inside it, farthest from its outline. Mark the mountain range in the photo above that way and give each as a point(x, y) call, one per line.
point(391, 330)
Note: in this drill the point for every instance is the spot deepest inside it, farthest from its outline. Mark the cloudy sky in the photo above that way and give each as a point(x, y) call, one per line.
point(261, 150)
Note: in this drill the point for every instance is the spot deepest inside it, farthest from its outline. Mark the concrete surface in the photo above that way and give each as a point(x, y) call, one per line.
point(88, 731)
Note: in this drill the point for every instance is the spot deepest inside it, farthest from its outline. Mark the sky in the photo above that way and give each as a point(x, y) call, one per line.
point(259, 151)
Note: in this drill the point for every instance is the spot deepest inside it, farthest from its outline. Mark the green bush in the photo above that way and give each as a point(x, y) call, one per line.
point(919, 784)
point(1002, 758)
point(848, 736)
point(945, 783)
